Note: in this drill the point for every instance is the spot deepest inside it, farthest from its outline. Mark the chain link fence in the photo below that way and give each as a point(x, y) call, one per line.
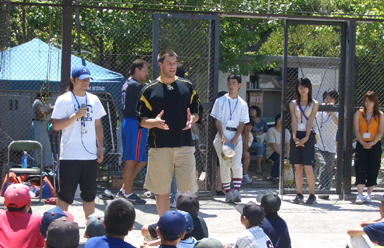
point(368, 76)
point(107, 42)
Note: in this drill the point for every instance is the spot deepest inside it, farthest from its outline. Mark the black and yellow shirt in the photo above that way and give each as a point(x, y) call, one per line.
point(174, 98)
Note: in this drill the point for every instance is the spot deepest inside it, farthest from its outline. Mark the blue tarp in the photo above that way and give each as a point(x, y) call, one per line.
point(25, 67)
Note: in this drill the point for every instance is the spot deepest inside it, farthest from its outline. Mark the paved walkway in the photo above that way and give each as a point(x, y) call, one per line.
point(323, 224)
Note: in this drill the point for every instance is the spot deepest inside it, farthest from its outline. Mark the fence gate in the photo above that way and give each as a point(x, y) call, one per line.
point(195, 38)
point(320, 57)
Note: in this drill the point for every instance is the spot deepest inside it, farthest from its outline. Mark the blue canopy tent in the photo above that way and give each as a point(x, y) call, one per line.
point(35, 67)
point(27, 66)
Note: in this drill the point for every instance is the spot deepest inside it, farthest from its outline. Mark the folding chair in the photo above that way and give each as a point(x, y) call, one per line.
point(26, 145)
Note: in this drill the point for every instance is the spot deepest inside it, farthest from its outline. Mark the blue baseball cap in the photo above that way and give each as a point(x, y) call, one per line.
point(48, 217)
point(172, 224)
point(189, 222)
point(81, 72)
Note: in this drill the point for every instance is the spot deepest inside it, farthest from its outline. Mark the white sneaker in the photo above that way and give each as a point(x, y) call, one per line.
point(237, 196)
point(229, 197)
point(149, 194)
point(359, 199)
point(173, 204)
point(368, 198)
point(246, 179)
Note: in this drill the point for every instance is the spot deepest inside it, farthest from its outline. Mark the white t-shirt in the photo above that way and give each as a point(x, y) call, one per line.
point(230, 111)
point(72, 140)
point(253, 237)
point(43, 108)
point(326, 130)
point(274, 136)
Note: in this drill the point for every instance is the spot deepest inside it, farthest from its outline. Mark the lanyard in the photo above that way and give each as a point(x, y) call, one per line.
point(368, 123)
point(303, 112)
point(230, 110)
point(321, 126)
point(86, 104)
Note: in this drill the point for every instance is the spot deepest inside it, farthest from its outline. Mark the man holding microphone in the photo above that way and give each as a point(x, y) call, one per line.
point(78, 114)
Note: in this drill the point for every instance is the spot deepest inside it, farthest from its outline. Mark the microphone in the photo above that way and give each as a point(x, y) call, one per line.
point(83, 106)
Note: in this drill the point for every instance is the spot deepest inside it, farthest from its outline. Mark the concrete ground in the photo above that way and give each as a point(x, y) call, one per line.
point(322, 224)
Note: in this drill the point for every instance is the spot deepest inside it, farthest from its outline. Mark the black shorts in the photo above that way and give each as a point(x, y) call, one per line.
point(74, 172)
point(303, 155)
point(152, 230)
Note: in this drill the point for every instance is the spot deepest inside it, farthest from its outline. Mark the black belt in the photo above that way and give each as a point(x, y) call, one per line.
point(37, 120)
point(231, 129)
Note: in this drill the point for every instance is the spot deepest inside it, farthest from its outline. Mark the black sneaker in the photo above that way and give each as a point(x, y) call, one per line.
point(135, 200)
point(324, 197)
point(311, 199)
point(274, 180)
point(298, 199)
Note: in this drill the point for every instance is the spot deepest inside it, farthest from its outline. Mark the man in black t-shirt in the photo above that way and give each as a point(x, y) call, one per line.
point(168, 107)
point(133, 137)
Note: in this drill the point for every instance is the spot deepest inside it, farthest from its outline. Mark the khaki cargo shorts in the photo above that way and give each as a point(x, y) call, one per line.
point(164, 162)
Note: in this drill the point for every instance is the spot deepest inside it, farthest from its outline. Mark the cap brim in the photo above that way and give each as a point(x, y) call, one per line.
point(69, 216)
point(85, 76)
point(240, 207)
point(379, 197)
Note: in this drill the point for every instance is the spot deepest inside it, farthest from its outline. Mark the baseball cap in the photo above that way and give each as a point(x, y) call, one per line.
point(16, 196)
point(379, 197)
point(189, 222)
point(81, 72)
point(63, 233)
point(172, 224)
point(253, 212)
point(48, 217)
point(229, 149)
point(270, 202)
point(188, 202)
point(95, 225)
point(208, 243)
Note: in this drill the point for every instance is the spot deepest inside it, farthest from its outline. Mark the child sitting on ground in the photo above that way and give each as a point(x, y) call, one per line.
point(189, 203)
point(252, 216)
point(273, 225)
point(62, 233)
point(171, 229)
point(188, 241)
point(119, 217)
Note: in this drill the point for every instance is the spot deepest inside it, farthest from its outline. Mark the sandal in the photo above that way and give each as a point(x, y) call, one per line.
point(51, 200)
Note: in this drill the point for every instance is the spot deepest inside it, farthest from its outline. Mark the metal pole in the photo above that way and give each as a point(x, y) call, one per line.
point(349, 102)
point(78, 29)
point(213, 69)
point(66, 45)
point(283, 105)
point(155, 49)
point(341, 126)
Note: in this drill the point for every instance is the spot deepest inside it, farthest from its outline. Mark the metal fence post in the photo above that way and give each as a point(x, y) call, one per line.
point(66, 44)
point(341, 127)
point(349, 102)
point(155, 40)
point(213, 71)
